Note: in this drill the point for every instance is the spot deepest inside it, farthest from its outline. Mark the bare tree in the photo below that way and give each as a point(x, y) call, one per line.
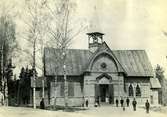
point(35, 35)
point(53, 17)
point(63, 30)
point(8, 44)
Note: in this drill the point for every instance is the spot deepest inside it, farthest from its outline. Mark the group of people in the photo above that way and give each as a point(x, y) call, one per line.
point(134, 104)
point(97, 103)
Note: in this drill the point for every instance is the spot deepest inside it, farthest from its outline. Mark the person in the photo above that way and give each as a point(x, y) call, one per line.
point(147, 105)
point(122, 102)
point(98, 101)
point(42, 104)
point(116, 102)
point(110, 100)
point(123, 107)
point(134, 103)
point(83, 101)
point(87, 103)
point(127, 101)
point(96, 104)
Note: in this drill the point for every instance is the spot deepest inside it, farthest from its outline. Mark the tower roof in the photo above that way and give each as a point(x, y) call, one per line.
point(95, 33)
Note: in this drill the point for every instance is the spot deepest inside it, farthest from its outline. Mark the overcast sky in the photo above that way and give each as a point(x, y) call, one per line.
point(127, 24)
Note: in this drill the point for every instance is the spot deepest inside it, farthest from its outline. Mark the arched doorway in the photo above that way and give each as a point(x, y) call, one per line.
point(104, 91)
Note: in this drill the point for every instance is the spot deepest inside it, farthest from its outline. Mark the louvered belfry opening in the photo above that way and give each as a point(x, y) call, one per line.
point(95, 39)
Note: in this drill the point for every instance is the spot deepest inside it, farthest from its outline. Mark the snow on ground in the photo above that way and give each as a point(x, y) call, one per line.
point(103, 111)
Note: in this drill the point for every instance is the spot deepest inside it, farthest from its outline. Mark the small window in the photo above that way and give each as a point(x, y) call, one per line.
point(40, 93)
point(138, 91)
point(130, 90)
point(62, 89)
point(70, 89)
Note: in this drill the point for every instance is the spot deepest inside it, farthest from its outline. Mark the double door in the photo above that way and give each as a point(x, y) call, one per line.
point(104, 93)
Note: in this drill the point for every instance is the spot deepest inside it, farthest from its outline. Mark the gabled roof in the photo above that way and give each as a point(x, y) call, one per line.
point(133, 62)
point(76, 61)
point(154, 82)
point(105, 49)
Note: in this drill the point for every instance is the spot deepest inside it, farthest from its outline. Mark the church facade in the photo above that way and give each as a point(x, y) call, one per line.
point(99, 73)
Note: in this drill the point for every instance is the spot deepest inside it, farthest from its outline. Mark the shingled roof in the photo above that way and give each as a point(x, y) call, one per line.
point(154, 82)
point(76, 61)
point(134, 62)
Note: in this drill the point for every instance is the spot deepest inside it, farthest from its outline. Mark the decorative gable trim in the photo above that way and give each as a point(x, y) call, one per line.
point(104, 75)
point(104, 49)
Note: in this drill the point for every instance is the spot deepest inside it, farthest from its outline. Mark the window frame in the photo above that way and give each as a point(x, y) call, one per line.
point(131, 91)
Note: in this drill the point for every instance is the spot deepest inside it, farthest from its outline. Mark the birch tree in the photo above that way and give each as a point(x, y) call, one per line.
point(8, 43)
point(63, 29)
point(35, 35)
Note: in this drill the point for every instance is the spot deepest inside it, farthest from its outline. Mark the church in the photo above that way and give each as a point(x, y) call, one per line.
point(99, 72)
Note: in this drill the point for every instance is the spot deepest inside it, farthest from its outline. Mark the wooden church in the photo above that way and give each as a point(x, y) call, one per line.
point(98, 72)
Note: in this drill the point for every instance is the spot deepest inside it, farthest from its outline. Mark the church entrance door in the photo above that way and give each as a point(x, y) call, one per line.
point(104, 92)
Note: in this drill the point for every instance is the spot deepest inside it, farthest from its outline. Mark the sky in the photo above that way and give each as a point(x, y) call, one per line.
point(130, 24)
point(127, 24)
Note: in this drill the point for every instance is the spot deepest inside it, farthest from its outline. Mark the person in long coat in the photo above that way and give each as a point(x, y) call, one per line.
point(134, 103)
point(87, 103)
point(42, 104)
point(122, 102)
point(116, 101)
point(127, 101)
point(147, 105)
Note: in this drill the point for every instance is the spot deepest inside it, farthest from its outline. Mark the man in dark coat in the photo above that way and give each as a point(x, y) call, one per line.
point(147, 105)
point(134, 103)
point(42, 104)
point(122, 102)
point(127, 101)
point(86, 103)
point(116, 102)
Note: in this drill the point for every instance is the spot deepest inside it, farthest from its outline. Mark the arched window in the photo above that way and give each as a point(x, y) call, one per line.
point(130, 90)
point(138, 91)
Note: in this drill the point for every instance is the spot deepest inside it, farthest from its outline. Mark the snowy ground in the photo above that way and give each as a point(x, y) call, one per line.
point(105, 111)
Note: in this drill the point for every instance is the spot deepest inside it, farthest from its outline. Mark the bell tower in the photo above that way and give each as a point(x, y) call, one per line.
point(95, 39)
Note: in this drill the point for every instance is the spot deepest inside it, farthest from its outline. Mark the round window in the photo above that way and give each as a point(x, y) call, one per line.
point(103, 65)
